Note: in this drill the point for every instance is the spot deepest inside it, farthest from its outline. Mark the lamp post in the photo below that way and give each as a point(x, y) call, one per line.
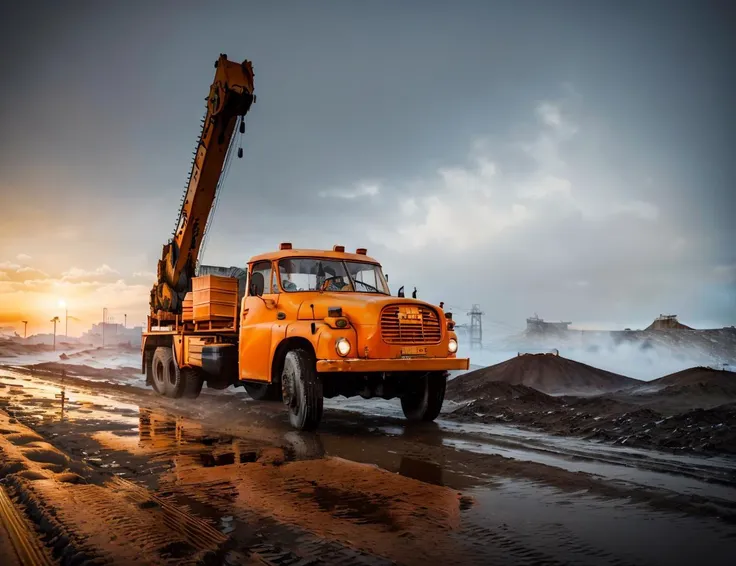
point(104, 322)
point(25, 328)
point(55, 320)
point(63, 305)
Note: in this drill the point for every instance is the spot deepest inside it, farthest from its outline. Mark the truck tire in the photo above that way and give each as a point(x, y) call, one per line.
point(423, 399)
point(263, 391)
point(302, 390)
point(192, 379)
point(162, 357)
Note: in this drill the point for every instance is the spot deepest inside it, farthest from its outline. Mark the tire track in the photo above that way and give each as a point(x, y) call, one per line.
point(24, 540)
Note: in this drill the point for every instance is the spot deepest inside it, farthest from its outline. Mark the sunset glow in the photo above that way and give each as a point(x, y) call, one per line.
point(30, 293)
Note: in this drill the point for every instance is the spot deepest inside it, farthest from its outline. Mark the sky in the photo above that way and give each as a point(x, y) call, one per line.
point(567, 158)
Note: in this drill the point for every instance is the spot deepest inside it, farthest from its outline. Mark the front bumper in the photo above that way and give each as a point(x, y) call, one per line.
point(391, 365)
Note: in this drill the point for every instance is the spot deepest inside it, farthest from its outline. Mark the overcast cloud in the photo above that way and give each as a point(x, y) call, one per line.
point(573, 159)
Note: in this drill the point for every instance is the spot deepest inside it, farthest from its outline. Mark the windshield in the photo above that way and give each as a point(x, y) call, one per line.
point(313, 274)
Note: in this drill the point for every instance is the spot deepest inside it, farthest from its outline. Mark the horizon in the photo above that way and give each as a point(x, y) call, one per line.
point(544, 172)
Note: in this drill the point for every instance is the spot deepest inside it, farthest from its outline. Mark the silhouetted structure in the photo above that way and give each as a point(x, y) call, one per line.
point(535, 324)
point(476, 327)
point(667, 322)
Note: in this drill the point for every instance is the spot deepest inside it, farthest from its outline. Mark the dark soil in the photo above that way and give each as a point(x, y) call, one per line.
point(548, 373)
point(693, 411)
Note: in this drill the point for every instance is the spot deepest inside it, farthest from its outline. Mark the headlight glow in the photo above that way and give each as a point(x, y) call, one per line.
point(342, 346)
point(452, 346)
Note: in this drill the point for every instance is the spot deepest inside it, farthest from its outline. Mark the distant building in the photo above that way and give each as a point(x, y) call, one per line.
point(112, 334)
point(667, 322)
point(537, 325)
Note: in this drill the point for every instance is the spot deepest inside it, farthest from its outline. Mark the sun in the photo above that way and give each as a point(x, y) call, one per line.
point(62, 304)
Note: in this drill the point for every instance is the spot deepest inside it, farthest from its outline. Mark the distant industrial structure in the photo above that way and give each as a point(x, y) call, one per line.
point(110, 334)
point(667, 322)
point(476, 327)
point(536, 325)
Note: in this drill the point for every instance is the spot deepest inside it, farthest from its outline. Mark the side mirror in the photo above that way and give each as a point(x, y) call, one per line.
point(257, 284)
point(401, 292)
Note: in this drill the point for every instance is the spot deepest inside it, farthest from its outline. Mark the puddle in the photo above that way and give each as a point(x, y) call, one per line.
point(581, 529)
point(48, 402)
point(672, 482)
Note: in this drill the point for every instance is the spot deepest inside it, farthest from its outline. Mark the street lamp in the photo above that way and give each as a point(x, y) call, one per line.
point(104, 322)
point(55, 320)
point(62, 305)
point(25, 328)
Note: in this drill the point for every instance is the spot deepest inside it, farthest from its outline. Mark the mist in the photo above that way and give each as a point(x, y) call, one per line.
point(640, 360)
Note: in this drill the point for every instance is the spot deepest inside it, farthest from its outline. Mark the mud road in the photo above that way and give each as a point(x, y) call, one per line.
point(110, 473)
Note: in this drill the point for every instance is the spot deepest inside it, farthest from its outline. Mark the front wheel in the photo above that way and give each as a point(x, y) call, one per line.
point(302, 390)
point(424, 395)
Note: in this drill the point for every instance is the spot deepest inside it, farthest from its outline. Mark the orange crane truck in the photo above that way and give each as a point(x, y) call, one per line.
point(298, 325)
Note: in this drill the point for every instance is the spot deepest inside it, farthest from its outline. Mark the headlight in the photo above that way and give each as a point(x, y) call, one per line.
point(342, 346)
point(452, 346)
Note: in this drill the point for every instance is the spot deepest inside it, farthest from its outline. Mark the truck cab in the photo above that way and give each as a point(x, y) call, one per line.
point(315, 324)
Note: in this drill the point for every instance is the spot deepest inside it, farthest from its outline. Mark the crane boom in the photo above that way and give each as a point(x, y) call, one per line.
point(230, 97)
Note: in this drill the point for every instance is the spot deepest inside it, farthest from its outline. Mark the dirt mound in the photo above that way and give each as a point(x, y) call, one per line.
point(696, 376)
point(548, 373)
point(700, 430)
point(504, 401)
point(12, 348)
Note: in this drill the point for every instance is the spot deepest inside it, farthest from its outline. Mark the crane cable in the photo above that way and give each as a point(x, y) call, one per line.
point(235, 141)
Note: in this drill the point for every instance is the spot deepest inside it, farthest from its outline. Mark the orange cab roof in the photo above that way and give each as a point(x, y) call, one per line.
point(326, 254)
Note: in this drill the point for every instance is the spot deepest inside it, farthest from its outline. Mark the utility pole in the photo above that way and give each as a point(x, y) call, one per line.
point(476, 327)
point(104, 322)
point(125, 323)
point(25, 328)
point(55, 320)
point(66, 323)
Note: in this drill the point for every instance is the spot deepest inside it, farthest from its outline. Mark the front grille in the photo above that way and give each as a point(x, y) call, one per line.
point(410, 324)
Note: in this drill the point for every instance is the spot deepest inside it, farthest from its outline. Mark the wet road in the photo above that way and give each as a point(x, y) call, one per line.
point(233, 483)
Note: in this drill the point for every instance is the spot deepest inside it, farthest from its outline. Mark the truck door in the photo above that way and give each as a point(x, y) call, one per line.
point(257, 320)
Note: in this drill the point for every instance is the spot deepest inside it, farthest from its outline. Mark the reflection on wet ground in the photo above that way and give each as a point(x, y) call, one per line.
point(372, 489)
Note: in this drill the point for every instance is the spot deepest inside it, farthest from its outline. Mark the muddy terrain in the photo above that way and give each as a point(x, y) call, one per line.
point(98, 471)
point(691, 410)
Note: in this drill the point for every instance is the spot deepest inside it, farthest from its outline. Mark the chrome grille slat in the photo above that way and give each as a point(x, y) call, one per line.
point(426, 330)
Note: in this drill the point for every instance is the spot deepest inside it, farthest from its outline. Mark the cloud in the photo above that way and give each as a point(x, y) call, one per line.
point(23, 257)
point(144, 275)
point(362, 189)
point(77, 274)
point(725, 273)
point(17, 273)
point(484, 204)
point(550, 114)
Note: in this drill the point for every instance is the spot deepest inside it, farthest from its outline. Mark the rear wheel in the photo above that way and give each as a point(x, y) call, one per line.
point(263, 391)
point(171, 380)
point(193, 378)
point(424, 396)
point(159, 363)
point(302, 390)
